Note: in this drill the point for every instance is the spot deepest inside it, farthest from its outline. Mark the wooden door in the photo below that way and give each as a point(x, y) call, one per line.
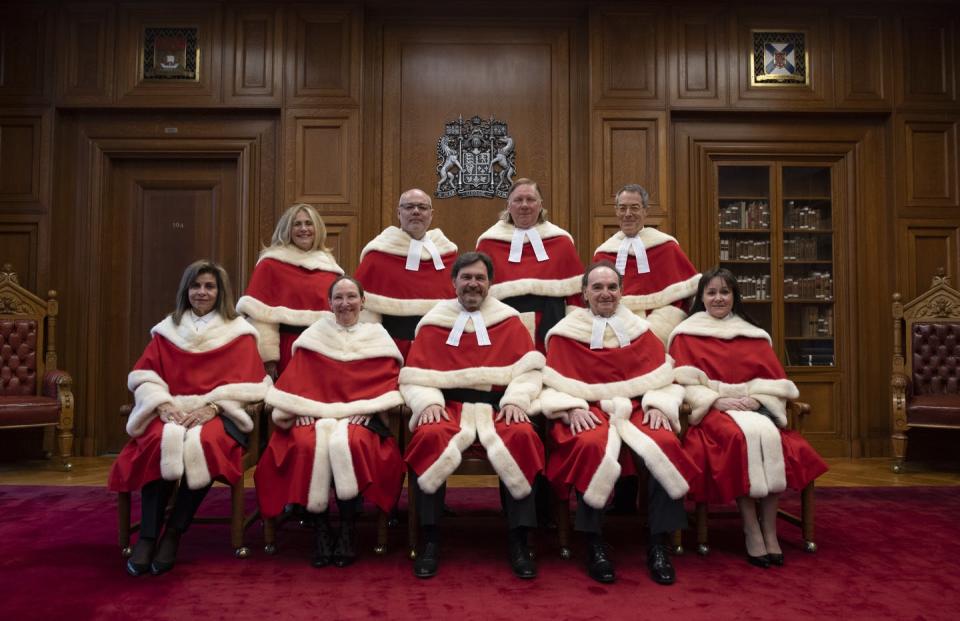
point(159, 216)
point(435, 74)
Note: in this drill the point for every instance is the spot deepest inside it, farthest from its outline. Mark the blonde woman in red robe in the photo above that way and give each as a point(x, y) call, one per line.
point(738, 426)
point(188, 422)
point(288, 287)
point(537, 265)
point(329, 407)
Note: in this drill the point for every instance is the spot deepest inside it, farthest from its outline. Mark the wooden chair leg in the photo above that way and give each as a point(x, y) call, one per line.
point(703, 547)
point(270, 535)
point(562, 510)
point(413, 527)
point(677, 541)
point(237, 520)
point(123, 523)
point(382, 518)
point(899, 441)
point(806, 517)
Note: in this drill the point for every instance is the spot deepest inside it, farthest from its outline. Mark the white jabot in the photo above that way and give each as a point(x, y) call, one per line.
point(201, 322)
point(516, 245)
point(483, 339)
point(643, 265)
point(413, 254)
point(600, 325)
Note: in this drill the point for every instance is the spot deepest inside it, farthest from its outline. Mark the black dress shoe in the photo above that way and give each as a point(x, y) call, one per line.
point(775, 559)
point(345, 552)
point(658, 562)
point(762, 561)
point(166, 555)
point(599, 565)
point(139, 562)
point(427, 561)
point(323, 544)
point(521, 561)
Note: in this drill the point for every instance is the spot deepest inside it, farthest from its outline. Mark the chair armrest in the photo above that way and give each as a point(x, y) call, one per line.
point(255, 412)
point(54, 381)
point(685, 412)
point(899, 389)
point(796, 411)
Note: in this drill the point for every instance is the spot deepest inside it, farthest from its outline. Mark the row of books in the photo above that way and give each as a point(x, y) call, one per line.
point(804, 217)
point(799, 248)
point(744, 215)
point(754, 287)
point(815, 286)
point(744, 249)
point(816, 321)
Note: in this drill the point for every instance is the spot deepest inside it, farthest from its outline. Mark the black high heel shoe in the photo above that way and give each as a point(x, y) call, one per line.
point(762, 561)
point(775, 559)
point(144, 551)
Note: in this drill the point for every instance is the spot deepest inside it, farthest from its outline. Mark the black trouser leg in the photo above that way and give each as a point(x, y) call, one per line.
point(587, 519)
point(153, 504)
point(185, 506)
point(664, 514)
point(520, 513)
point(429, 506)
point(625, 493)
point(349, 509)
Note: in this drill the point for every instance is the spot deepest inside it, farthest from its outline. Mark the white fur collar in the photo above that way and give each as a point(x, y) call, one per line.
point(360, 342)
point(217, 333)
point(578, 326)
point(650, 237)
point(502, 231)
point(728, 328)
point(445, 313)
point(316, 260)
point(393, 240)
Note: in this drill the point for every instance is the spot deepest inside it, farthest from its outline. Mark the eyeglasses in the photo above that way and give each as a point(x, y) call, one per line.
point(419, 206)
point(632, 209)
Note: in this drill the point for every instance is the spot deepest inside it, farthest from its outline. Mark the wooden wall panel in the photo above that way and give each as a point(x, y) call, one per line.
point(343, 240)
point(26, 53)
point(323, 62)
point(85, 68)
point(817, 93)
point(928, 246)
point(24, 161)
point(627, 56)
point(698, 64)
point(628, 147)
point(927, 50)
point(823, 427)
point(862, 57)
point(322, 158)
point(133, 88)
point(20, 247)
point(929, 168)
point(253, 56)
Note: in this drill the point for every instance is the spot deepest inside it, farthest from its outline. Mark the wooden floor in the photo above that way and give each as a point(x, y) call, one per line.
point(874, 472)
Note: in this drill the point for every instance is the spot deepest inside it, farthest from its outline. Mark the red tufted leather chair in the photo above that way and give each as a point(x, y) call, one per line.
point(33, 393)
point(925, 381)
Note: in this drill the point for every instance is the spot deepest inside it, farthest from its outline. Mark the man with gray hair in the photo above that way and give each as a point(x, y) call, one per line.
point(406, 270)
point(658, 278)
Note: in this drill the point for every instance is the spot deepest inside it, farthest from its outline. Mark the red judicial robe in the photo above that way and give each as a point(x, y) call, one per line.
point(618, 384)
point(509, 364)
point(189, 369)
point(741, 453)
point(335, 373)
point(393, 290)
point(557, 277)
point(661, 294)
point(288, 287)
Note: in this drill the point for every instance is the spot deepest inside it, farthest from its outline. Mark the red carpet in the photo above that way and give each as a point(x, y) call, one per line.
point(884, 554)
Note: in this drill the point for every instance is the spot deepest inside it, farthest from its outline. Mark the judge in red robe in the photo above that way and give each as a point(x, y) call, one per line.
point(188, 422)
point(658, 278)
point(405, 271)
point(472, 374)
point(537, 265)
point(329, 407)
point(608, 383)
point(288, 287)
point(738, 426)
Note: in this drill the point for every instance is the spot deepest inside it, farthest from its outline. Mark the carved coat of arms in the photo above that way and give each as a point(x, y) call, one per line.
point(475, 158)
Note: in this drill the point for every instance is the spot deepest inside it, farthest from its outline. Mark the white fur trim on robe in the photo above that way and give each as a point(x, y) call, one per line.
point(341, 462)
point(701, 392)
point(445, 313)
point(605, 477)
point(728, 328)
point(393, 240)
point(663, 320)
point(313, 260)
point(620, 409)
point(649, 236)
point(765, 464)
point(318, 495)
point(449, 460)
point(268, 345)
point(257, 310)
point(668, 295)
point(502, 231)
point(578, 326)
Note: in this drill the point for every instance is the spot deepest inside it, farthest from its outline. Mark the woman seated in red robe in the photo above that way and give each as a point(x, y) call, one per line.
point(738, 391)
point(329, 407)
point(288, 287)
point(188, 423)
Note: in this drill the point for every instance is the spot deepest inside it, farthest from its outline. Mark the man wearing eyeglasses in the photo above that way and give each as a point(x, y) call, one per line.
point(406, 270)
point(658, 278)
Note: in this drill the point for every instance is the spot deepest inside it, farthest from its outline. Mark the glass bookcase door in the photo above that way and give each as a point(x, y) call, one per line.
point(745, 227)
point(808, 266)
